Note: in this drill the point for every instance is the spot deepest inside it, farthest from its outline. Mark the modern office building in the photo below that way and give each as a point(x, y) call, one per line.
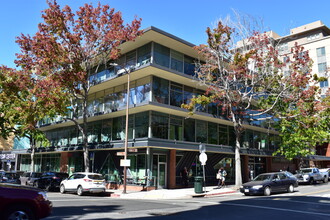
point(162, 137)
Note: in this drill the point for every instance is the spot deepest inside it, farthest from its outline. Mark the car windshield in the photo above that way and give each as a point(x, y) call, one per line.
point(36, 175)
point(95, 177)
point(305, 171)
point(263, 177)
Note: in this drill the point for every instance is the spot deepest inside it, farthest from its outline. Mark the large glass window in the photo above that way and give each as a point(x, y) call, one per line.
point(201, 131)
point(320, 51)
point(212, 133)
point(160, 90)
point(176, 128)
point(176, 95)
point(141, 125)
point(159, 125)
point(189, 130)
point(144, 54)
point(322, 67)
point(161, 55)
point(106, 131)
point(118, 130)
point(131, 59)
point(176, 61)
point(188, 93)
point(223, 134)
point(324, 84)
point(189, 65)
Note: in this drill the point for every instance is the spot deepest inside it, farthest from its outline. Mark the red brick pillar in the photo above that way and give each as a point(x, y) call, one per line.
point(64, 162)
point(245, 168)
point(172, 170)
point(328, 151)
point(268, 164)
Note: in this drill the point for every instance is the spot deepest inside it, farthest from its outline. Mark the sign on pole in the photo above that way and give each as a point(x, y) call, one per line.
point(203, 158)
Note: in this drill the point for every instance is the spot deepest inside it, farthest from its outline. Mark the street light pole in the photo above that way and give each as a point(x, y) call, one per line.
point(126, 130)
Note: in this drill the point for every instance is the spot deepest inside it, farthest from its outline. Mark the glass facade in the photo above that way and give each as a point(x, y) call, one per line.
point(43, 162)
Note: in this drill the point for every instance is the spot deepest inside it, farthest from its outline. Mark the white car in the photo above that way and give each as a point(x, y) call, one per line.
point(83, 182)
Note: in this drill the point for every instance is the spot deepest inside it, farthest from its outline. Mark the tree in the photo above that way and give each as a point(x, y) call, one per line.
point(310, 128)
point(70, 47)
point(246, 80)
point(26, 99)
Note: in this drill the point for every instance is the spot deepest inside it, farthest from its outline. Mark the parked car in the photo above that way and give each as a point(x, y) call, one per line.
point(83, 182)
point(22, 202)
point(268, 183)
point(29, 178)
point(9, 177)
point(50, 180)
point(326, 170)
point(311, 175)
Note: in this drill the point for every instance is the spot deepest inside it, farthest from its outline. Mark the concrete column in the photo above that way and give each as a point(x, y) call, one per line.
point(64, 162)
point(172, 170)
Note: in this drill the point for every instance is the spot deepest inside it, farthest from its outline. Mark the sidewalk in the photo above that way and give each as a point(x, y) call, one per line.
point(184, 193)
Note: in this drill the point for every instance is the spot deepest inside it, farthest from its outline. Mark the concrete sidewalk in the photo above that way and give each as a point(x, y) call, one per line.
point(184, 193)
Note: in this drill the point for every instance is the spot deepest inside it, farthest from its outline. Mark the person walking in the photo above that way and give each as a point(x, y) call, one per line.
point(184, 177)
point(222, 177)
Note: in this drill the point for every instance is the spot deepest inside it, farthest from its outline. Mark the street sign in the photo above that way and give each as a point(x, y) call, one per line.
point(121, 153)
point(132, 150)
point(125, 163)
point(203, 158)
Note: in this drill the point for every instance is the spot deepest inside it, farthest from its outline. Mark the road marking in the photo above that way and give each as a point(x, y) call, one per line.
point(310, 193)
point(277, 209)
point(295, 201)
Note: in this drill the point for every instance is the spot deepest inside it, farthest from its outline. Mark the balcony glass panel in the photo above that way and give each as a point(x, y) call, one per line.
point(144, 55)
point(160, 90)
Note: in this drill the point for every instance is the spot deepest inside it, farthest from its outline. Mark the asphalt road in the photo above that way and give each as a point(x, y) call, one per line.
point(307, 202)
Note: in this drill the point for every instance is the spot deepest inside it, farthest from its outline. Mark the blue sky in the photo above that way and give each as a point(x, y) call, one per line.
point(186, 19)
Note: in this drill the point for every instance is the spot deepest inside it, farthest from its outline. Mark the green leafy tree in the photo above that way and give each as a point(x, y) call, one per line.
point(246, 80)
point(70, 47)
point(24, 100)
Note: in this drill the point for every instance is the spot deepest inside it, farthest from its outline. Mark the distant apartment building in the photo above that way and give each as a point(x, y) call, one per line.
point(162, 137)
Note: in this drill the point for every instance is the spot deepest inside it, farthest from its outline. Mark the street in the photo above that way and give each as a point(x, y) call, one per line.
point(308, 201)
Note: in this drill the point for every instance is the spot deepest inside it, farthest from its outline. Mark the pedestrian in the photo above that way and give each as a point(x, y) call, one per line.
point(221, 175)
point(184, 177)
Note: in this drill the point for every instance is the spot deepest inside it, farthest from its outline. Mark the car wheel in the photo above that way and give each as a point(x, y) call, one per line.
point(311, 181)
point(48, 188)
point(19, 212)
point(325, 180)
point(62, 189)
point(246, 194)
point(290, 188)
point(267, 191)
point(80, 191)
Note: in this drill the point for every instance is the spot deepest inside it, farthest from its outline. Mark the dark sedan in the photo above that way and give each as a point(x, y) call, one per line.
point(50, 180)
point(267, 183)
point(9, 177)
point(22, 202)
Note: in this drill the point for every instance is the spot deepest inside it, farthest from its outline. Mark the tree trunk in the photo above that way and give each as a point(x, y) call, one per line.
point(238, 169)
point(32, 155)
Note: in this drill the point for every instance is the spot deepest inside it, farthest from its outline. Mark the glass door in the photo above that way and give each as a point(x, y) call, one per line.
point(161, 175)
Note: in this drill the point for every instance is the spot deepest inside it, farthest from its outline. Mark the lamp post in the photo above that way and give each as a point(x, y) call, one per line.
point(126, 131)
